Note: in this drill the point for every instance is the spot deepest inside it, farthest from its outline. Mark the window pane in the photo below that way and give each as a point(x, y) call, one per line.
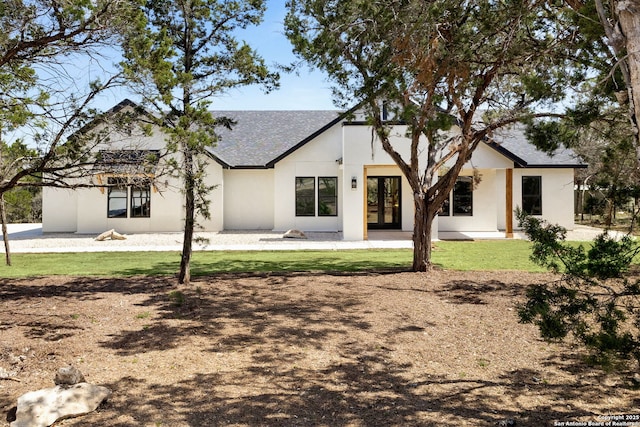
point(463, 196)
point(141, 202)
point(305, 196)
point(532, 195)
point(116, 199)
point(327, 196)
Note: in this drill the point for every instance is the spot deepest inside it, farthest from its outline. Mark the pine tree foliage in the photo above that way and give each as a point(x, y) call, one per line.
point(595, 300)
point(181, 56)
point(601, 126)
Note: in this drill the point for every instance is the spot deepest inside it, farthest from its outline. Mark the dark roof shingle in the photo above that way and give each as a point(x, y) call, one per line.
point(512, 143)
point(260, 137)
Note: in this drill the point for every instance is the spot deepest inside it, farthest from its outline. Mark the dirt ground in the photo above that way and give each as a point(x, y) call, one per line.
point(394, 349)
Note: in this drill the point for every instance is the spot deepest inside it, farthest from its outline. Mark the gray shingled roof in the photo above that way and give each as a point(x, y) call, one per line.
point(260, 137)
point(513, 143)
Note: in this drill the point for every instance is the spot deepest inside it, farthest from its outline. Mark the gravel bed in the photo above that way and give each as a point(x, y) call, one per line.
point(29, 238)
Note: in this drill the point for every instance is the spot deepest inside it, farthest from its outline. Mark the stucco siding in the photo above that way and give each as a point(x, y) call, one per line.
point(167, 207)
point(248, 199)
point(59, 210)
point(318, 158)
point(257, 197)
point(557, 194)
point(484, 206)
point(485, 157)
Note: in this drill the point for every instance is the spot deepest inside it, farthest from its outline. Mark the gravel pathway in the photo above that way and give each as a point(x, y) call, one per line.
point(30, 238)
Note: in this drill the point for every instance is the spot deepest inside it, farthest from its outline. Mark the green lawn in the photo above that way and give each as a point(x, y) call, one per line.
point(478, 255)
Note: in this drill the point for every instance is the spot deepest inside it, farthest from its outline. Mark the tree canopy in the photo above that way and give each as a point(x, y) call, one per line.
point(479, 65)
point(42, 101)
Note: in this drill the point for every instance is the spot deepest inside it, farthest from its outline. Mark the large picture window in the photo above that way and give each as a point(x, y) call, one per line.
point(327, 196)
point(460, 199)
point(532, 195)
point(305, 196)
point(128, 201)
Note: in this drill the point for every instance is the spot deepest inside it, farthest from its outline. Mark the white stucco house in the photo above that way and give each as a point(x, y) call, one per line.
point(314, 171)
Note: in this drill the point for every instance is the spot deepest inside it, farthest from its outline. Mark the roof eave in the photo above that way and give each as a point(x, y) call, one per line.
point(250, 167)
point(113, 110)
point(518, 161)
point(554, 166)
point(218, 160)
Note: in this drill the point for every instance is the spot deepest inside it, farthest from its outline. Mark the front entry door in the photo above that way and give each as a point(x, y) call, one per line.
point(383, 202)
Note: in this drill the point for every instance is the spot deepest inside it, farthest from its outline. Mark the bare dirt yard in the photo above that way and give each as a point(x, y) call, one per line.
point(394, 349)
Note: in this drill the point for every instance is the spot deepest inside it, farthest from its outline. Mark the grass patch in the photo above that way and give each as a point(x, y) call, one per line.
point(177, 298)
point(477, 255)
point(485, 255)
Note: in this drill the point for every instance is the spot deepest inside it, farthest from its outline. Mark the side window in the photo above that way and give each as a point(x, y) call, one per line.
point(128, 201)
point(461, 198)
point(532, 195)
point(117, 198)
point(305, 196)
point(327, 196)
point(141, 201)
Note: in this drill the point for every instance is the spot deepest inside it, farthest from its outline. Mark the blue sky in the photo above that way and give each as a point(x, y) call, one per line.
point(305, 90)
point(308, 90)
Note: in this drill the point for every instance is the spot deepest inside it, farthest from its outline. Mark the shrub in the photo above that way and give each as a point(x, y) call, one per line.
point(596, 298)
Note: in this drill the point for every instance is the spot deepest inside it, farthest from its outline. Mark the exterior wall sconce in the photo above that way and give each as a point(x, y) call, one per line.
point(354, 182)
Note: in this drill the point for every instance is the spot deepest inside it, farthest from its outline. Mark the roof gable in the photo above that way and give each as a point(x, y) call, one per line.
point(260, 138)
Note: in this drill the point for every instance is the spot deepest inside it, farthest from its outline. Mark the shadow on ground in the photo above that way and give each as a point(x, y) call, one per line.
point(297, 350)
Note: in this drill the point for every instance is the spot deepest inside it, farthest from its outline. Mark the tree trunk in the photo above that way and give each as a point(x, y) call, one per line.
point(5, 234)
point(629, 20)
point(189, 219)
point(423, 220)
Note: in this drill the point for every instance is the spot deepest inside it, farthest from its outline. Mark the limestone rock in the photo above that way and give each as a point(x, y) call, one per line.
point(68, 375)
point(8, 375)
point(110, 234)
point(294, 234)
point(44, 407)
